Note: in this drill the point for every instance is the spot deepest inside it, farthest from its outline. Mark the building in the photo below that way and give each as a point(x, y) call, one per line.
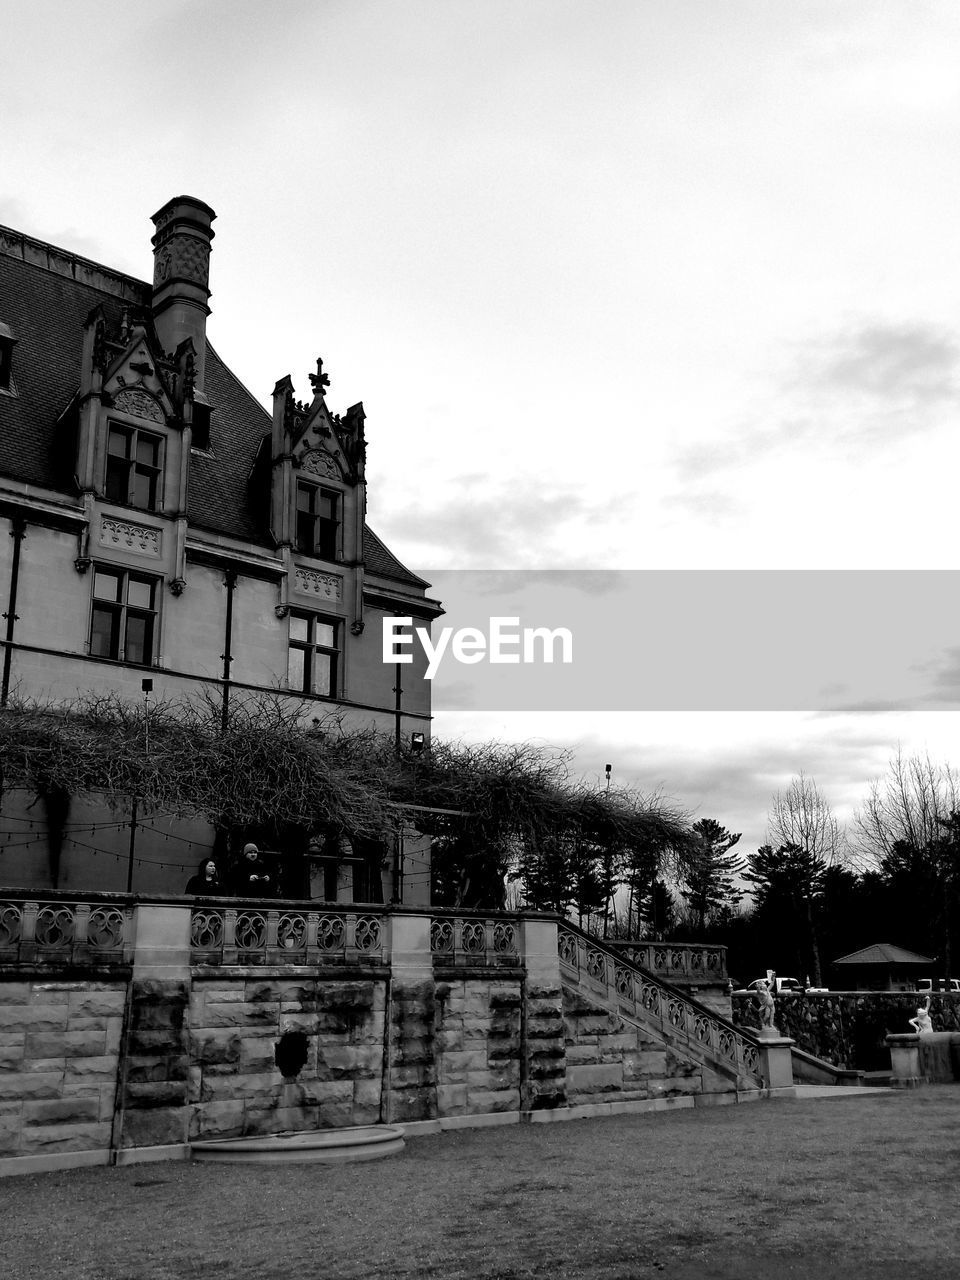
point(168, 534)
point(882, 967)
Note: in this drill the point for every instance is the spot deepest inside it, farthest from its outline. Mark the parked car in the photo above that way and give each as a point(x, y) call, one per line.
point(939, 984)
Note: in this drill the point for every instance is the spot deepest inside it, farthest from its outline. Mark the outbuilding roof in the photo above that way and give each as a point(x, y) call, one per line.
point(887, 954)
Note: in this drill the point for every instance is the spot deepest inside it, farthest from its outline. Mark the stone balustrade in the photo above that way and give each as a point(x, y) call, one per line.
point(279, 935)
point(684, 962)
point(55, 930)
point(469, 940)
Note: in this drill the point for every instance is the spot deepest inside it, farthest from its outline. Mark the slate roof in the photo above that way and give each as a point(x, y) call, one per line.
point(885, 953)
point(46, 295)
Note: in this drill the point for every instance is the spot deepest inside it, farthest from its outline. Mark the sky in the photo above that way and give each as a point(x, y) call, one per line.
point(624, 287)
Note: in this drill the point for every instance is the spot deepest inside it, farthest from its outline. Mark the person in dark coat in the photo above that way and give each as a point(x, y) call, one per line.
point(206, 881)
point(255, 877)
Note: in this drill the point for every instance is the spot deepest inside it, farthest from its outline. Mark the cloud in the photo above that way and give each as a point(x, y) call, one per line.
point(484, 522)
point(907, 363)
point(877, 381)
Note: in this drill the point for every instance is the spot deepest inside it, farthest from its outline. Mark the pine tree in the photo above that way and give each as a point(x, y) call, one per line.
point(708, 872)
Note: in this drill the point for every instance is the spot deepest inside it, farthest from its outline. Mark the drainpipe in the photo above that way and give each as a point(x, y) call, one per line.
point(18, 529)
point(230, 580)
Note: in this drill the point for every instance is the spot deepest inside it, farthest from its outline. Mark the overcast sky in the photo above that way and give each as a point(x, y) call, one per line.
point(633, 285)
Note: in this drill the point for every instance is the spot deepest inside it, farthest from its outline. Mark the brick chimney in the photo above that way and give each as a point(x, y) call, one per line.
point(181, 269)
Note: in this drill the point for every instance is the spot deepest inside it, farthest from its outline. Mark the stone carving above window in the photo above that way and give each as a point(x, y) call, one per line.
point(317, 462)
point(129, 536)
point(311, 582)
point(139, 404)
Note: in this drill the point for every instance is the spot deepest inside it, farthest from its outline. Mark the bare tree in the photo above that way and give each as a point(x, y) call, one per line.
point(801, 816)
point(801, 824)
point(907, 806)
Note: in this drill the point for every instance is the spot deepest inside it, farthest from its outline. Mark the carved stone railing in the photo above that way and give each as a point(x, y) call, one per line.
point(63, 931)
point(258, 935)
point(463, 940)
point(638, 994)
point(694, 962)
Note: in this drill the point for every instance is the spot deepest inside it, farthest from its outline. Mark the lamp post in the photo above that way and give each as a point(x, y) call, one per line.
point(146, 686)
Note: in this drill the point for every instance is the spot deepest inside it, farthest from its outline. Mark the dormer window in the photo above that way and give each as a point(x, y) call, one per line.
point(318, 521)
point(133, 467)
point(200, 436)
point(7, 343)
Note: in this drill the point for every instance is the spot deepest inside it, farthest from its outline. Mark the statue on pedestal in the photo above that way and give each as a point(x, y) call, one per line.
point(768, 1006)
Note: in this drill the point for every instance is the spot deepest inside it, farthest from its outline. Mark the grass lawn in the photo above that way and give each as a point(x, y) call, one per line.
point(859, 1188)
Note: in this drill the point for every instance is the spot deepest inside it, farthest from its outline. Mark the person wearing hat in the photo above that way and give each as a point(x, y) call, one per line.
point(254, 876)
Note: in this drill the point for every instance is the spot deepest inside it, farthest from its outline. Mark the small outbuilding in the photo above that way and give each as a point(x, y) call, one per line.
point(882, 967)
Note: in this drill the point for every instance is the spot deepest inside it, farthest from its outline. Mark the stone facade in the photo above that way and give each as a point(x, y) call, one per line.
point(173, 1047)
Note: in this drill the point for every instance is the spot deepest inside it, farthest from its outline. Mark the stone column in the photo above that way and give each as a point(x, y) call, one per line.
point(155, 1058)
point(543, 1056)
point(410, 1069)
point(776, 1060)
point(905, 1060)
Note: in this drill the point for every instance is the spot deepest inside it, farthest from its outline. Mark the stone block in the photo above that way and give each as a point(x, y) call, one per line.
point(155, 1093)
point(255, 1088)
point(279, 1120)
point(408, 1106)
point(9, 1136)
point(451, 1099)
point(98, 1003)
point(616, 1045)
point(80, 1137)
point(12, 1039)
point(33, 1017)
point(160, 991)
point(258, 1054)
point(157, 1127)
point(64, 1044)
point(113, 1036)
point(30, 1084)
point(367, 1095)
point(483, 1101)
point(194, 1083)
point(11, 1056)
point(325, 1092)
point(210, 1047)
point(336, 1062)
point(78, 1023)
point(243, 1015)
point(220, 993)
point(308, 1023)
point(156, 1042)
point(216, 1120)
point(15, 993)
point(642, 1064)
point(580, 1053)
point(62, 1111)
point(594, 1079)
point(101, 1068)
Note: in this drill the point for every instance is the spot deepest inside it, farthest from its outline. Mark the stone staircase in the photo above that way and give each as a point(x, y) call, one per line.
point(615, 983)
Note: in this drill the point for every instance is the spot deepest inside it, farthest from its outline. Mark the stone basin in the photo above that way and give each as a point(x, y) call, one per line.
point(362, 1142)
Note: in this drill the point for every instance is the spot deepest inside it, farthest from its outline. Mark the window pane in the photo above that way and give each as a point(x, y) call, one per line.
point(326, 540)
point(118, 473)
point(139, 639)
point(140, 592)
point(147, 450)
point(323, 669)
point(299, 627)
point(326, 634)
point(305, 494)
point(104, 633)
point(305, 532)
point(327, 506)
point(296, 668)
point(144, 489)
point(119, 443)
point(106, 585)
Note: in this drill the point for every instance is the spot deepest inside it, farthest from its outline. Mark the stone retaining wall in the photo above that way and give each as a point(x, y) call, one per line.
point(176, 1048)
point(59, 1052)
point(849, 1028)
